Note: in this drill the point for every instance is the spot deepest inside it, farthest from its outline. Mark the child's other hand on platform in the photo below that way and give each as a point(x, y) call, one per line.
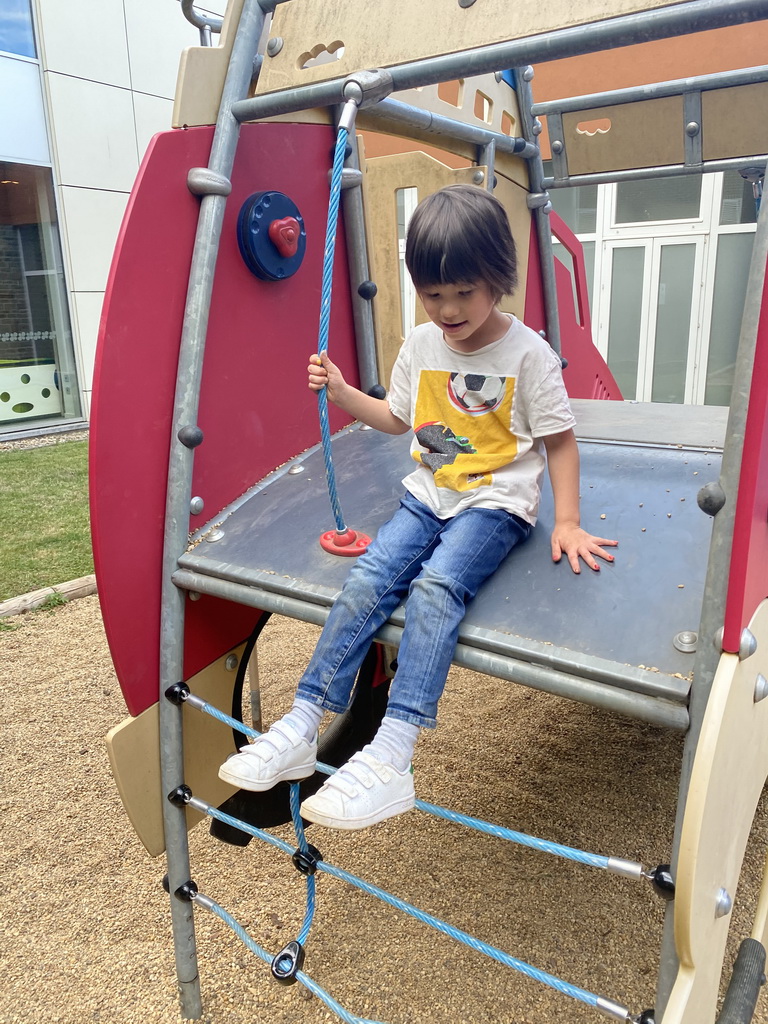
point(570, 540)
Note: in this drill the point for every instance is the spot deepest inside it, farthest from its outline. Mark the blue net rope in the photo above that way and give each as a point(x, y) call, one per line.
point(325, 320)
point(535, 973)
point(594, 860)
point(564, 987)
point(254, 947)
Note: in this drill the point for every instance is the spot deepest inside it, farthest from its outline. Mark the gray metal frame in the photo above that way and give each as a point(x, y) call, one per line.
point(213, 184)
point(180, 488)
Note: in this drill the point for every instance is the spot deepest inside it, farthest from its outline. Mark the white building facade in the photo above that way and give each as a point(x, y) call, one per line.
point(84, 85)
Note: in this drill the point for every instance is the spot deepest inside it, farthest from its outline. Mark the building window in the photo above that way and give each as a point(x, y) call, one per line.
point(38, 379)
point(16, 33)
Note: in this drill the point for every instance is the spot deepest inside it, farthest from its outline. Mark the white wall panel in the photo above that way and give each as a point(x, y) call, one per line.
point(157, 33)
point(23, 137)
point(90, 222)
point(153, 115)
point(85, 38)
point(94, 136)
point(86, 313)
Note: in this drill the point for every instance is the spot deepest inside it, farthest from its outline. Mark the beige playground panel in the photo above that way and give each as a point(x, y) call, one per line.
point(134, 753)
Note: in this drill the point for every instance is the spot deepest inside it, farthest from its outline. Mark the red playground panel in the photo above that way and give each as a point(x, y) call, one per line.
point(255, 409)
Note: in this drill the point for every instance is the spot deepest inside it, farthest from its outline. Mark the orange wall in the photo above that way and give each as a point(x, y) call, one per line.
point(702, 53)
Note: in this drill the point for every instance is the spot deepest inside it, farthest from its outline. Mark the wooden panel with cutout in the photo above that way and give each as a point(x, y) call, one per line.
point(350, 36)
point(384, 176)
point(649, 133)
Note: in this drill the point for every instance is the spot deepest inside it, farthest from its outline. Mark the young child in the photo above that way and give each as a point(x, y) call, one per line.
point(485, 398)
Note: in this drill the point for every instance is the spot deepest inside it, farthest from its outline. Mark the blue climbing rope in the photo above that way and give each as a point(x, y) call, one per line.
point(254, 947)
point(535, 973)
point(301, 839)
point(594, 860)
point(325, 320)
point(564, 987)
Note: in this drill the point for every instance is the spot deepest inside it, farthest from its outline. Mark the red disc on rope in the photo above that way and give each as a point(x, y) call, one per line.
point(350, 542)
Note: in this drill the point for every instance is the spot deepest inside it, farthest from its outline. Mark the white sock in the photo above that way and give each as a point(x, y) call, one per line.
point(394, 743)
point(304, 717)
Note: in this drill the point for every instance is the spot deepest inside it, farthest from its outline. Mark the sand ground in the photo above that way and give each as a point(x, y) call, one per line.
point(84, 924)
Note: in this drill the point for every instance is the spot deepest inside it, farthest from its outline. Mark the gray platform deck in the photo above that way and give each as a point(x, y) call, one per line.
point(533, 620)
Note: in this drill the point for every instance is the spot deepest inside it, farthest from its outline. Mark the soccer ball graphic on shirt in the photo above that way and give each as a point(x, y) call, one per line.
point(475, 393)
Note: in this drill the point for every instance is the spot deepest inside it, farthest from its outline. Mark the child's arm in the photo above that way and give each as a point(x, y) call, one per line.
point(568, 538)
point(373, 411)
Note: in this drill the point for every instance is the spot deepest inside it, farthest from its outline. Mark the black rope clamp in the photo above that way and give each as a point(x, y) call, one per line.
point(177, 693)
point(662, 881)
point(180, 796)
point(305, 861)
point(186, 892)
point(288, 962)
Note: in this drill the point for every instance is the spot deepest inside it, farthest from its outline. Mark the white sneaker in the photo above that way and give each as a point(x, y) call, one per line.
point(361, 793)
point(278, 755)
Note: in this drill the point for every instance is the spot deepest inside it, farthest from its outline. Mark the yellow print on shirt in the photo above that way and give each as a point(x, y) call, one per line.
point(464, 423)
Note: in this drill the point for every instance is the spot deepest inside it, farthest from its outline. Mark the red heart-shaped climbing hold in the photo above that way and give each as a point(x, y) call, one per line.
point(284, 235)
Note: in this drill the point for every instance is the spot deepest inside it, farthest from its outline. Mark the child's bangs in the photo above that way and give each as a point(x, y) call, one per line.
point(444, 261)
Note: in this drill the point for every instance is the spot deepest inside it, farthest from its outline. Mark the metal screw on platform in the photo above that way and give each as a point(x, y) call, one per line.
point(478, 177)
point(196, 506)
point(296, 469)
point(686, 641)
point(274, 46)
point(231, 663)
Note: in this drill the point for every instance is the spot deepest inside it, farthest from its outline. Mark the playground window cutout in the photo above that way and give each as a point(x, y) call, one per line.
point(483, 107)
point(564, 256)
point(601, 126)
point(507, 123)
point(451, 92)
point(406, 200)
point(321, 54)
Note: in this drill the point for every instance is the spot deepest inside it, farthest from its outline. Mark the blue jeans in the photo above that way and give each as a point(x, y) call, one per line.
point(440, 564)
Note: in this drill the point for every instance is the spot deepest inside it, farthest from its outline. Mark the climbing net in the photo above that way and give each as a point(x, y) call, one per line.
point(286, 965)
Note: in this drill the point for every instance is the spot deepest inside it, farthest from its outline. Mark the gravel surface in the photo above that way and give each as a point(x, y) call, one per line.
point(85, 934)
point(42, 440)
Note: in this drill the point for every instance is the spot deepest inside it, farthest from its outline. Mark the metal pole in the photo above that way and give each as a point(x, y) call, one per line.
point(359, 274)
point(425, 121)
point(531, 127)
point(183, 440)
point(672, 171)
point(716, 583)
point(656, 90)
point(657, 710)
point(663, 23)
point(201, 21)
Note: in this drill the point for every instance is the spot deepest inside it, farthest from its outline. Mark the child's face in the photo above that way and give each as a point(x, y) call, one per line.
point(466, 313)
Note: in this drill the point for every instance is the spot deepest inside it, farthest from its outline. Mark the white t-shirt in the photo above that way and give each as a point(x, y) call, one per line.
point(479, 419)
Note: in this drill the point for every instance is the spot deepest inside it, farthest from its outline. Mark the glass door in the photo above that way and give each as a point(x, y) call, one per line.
point(650, 315)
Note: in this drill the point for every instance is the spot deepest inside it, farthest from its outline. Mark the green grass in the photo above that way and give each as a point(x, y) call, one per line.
point(44, 529)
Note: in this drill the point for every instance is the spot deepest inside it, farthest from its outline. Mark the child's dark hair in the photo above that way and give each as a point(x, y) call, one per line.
point(461, 234)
